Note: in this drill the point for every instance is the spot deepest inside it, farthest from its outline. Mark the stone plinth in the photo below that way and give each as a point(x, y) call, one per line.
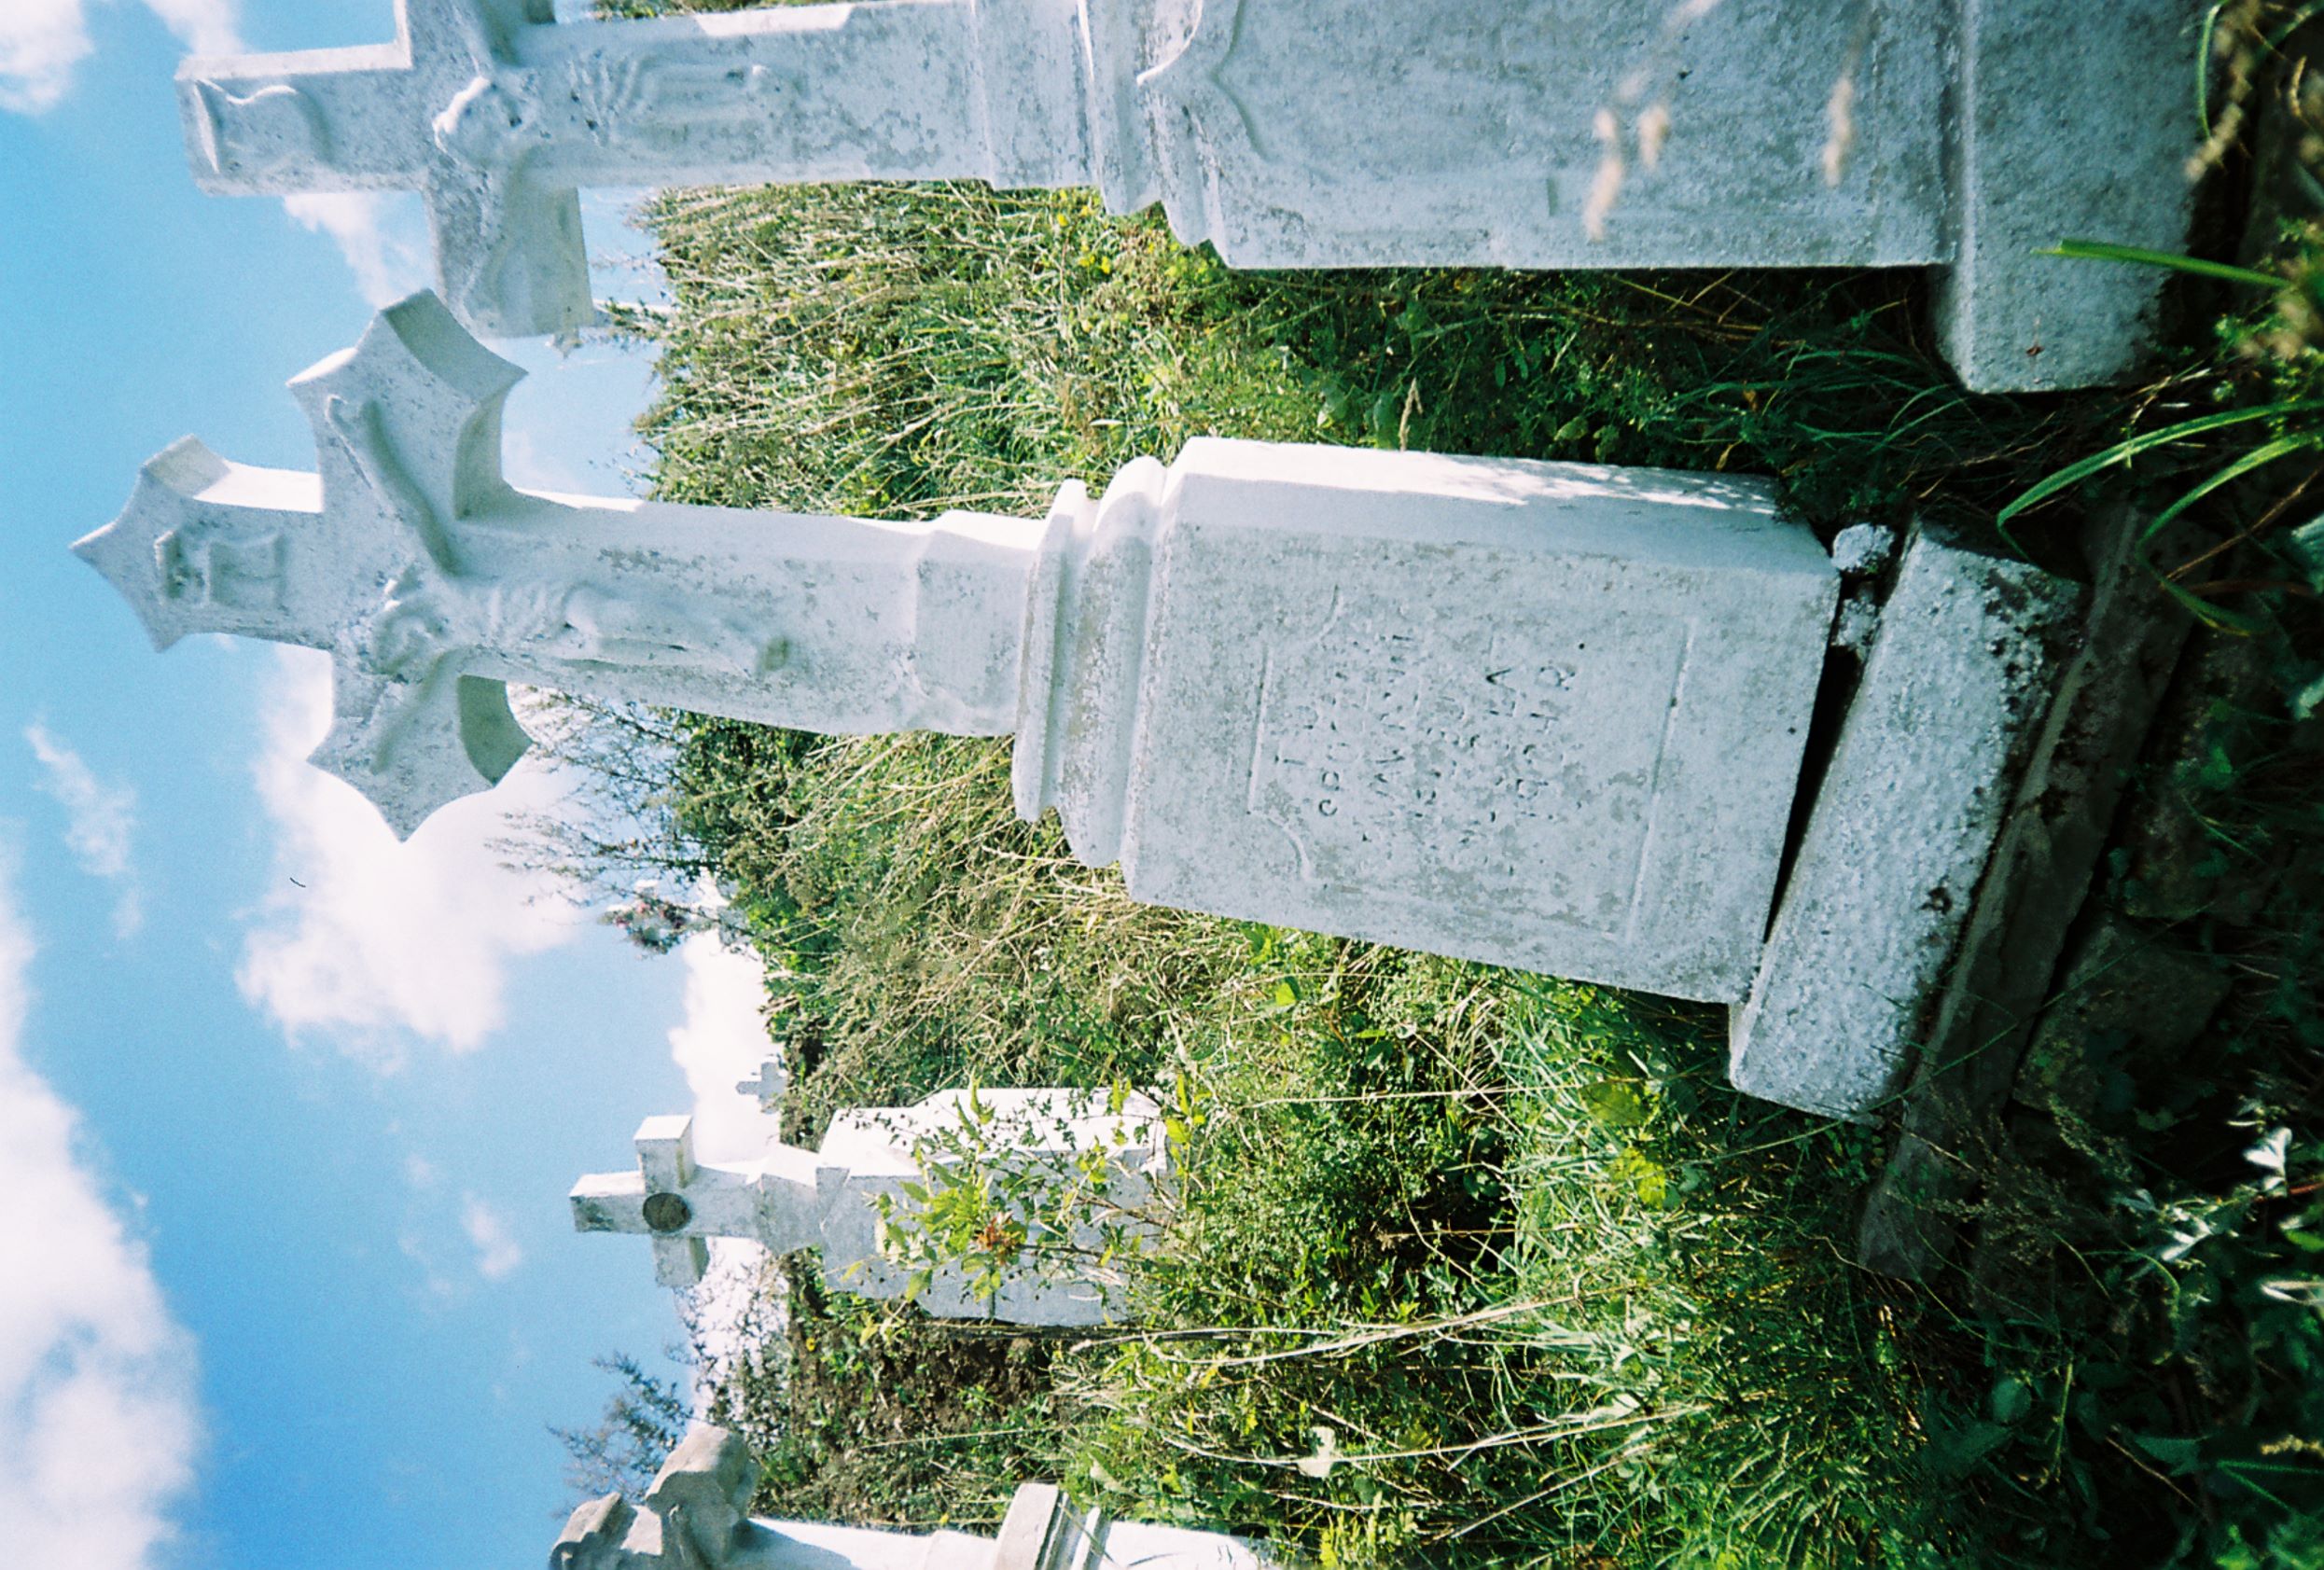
point(1901, 829)
point(1549, 715)
point(696, 1518)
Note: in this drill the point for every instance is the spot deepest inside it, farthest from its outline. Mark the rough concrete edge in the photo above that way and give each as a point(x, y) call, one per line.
point(1834, 1011)
point(2033, 891)
point(2071, 120)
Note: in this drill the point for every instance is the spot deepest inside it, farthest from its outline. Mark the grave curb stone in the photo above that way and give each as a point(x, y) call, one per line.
point(2039, 880)
point(1900, 830)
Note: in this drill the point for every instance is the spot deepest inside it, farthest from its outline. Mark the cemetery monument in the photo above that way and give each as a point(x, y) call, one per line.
point(696, 1518)
point(1964, 137)
point(1546, 716)
point(792, 1199)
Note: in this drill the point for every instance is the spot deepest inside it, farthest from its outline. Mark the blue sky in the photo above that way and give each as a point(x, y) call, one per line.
point(288, 1110)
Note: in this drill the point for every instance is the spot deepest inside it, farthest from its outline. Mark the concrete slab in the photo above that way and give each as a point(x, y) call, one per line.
point(1901, 829)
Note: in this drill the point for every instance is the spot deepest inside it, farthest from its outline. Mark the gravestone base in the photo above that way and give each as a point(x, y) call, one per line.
point(1955, 1129)
point(693, 1518)
point(2074, 124)
point(1045, 1531)
point(1899, 838)
point(1546, 716)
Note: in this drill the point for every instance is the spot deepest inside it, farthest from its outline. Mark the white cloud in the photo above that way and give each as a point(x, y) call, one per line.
point(42, 43)
point(205, 26)
point(364, 937)
point(380, 247)
point(496, 1251)
point(721, 1041)
point(435, 1281)
point(733, 1312)
point(99, 1428)
point(100, 823)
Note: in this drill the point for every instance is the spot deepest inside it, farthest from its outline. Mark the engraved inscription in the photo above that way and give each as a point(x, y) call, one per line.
point(1511, 756)
point(1505, 88)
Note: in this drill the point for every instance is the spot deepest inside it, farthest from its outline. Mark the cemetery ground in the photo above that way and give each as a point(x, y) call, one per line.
point(1469, 1267)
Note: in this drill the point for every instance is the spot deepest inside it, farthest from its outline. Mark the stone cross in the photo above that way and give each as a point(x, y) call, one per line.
point(792, 1199)
point(432, 582)
point(697, 1518)
point(496, 113)
point(1966, 135)
point(1549, 715)
point(766, 1085)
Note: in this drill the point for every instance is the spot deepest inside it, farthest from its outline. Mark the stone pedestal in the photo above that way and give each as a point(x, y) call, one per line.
point(1902, 829)
point(1549, 715)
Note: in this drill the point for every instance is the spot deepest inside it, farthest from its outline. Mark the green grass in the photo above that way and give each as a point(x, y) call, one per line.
point(1555, 1295)
point(905, 350)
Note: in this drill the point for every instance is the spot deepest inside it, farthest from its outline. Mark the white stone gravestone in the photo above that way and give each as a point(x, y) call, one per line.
point(697, 1518)
point(1963, 136)
point(791, 1199)
point(1548, 716)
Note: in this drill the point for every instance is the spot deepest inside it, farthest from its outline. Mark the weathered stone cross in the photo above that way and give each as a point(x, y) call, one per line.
point(432, 582)
point(1557, 134)
point(792, 1199)
point(766, 1085)
point(1542, 715)
point(679, 1203)
point(496, 113)
point(1547, 715)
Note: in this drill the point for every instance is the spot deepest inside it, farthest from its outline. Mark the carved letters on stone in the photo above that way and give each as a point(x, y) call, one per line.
point(1429, 760)
point(206, 566)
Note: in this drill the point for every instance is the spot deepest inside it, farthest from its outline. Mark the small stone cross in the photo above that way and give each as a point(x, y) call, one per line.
point(679, 1203)
point(792, 1199)
point(767, 1084)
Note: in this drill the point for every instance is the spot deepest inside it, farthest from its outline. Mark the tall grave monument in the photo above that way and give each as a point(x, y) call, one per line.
point(1960, 135)
point(1547, 715)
